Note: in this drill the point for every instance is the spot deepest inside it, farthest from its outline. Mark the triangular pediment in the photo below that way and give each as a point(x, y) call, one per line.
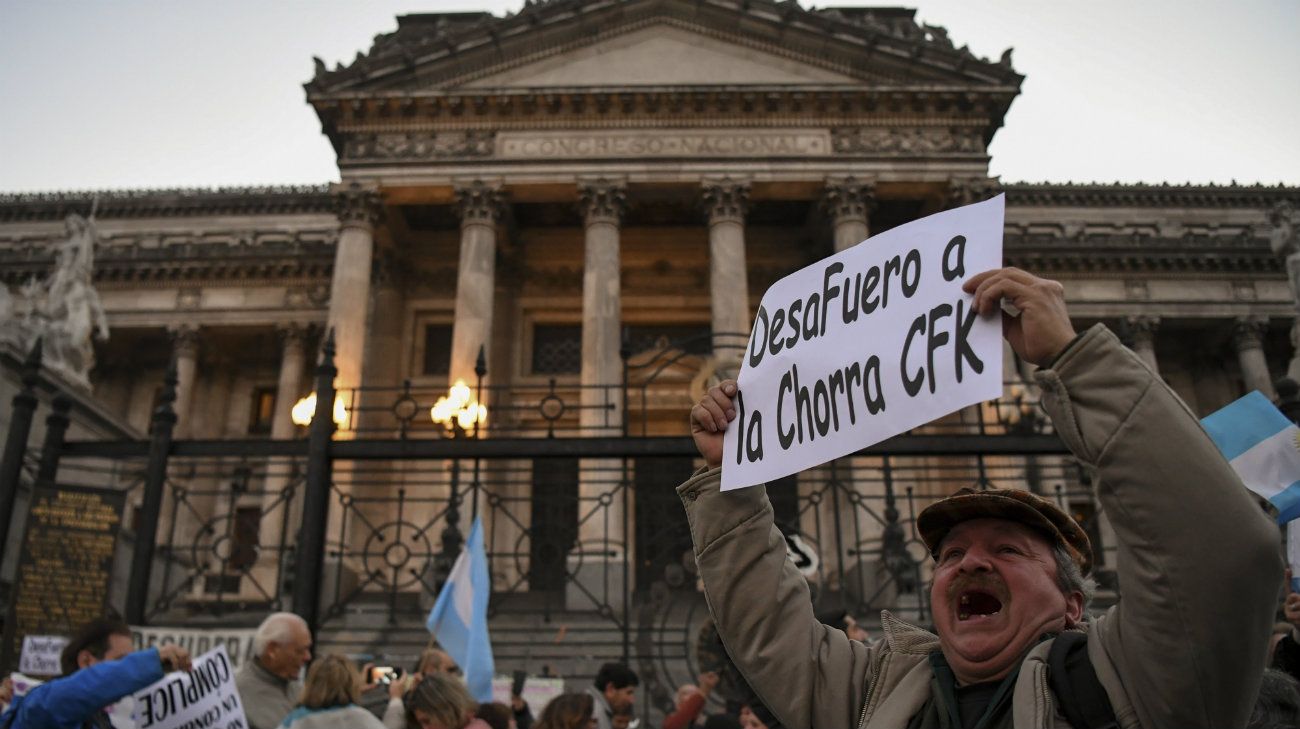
point(682, 43)
point(661, 55)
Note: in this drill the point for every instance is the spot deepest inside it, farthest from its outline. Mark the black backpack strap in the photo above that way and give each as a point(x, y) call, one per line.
point(1073, 680)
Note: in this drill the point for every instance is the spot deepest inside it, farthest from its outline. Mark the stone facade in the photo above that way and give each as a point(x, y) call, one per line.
point(581, 169)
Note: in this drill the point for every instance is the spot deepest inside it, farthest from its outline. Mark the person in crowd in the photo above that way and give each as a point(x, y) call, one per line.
point(854, 630)
point(437, 701)
point(269, 682)
point(330, 698)
point(99, 669)
point(757, 716)
point(1198, 563)
point(436, 660)
point(722, 721)
point(568, 711)
point(1278, 705)
point(690, 701)
point(496, 715)
point(1286, 635)
point(521, 711)
point(614, 690)
point(6, 693)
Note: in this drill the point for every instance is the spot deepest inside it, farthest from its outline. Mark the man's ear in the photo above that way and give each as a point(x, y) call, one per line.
point(86, 659)
point(1073, 609)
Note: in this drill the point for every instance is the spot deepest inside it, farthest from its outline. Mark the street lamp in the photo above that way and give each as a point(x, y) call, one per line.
point(305, 409)
point(459, 412)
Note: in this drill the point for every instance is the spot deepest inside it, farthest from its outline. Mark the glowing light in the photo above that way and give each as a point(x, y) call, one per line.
point(305, 409)
point(459, 407)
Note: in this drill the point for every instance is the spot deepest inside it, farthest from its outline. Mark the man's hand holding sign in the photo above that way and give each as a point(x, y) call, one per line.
point(1197, 560)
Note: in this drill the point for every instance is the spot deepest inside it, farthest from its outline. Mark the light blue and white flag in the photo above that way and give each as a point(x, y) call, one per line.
point(459, 617)
point(1263, 448)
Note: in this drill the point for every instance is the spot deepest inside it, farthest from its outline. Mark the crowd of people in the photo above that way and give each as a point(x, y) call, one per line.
point(1012, 644)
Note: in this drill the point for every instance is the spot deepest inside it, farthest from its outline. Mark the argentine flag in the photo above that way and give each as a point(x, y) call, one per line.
point(459, 617)
point(1263, 448)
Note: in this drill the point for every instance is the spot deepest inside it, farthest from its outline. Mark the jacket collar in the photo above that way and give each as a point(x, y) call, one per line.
point(265, 675)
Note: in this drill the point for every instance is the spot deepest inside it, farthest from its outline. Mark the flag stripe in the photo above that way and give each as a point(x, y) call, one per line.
point(1241, 425)
point(1287, 503)
point(1272, 464)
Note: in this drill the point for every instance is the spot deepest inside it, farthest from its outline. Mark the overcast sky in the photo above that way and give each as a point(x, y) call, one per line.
point(98, 94)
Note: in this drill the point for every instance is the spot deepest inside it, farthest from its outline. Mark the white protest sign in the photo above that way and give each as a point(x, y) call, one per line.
point(40, 656)
point(23, 684)
point(204, 697)
point(866, 344)
point(237, 641)
point(537, 693)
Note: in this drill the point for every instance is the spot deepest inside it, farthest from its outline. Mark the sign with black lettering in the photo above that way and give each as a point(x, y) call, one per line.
point(40, 656)
point(66, 563)
point(237, 641)
point(868, 343)
point(204, 698)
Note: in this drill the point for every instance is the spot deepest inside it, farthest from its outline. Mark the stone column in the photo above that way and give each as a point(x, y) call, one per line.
point(480, 209)
point(293, 361)
point(596, 565)
point(185, 348)
point(1248, 338)
point(726, 201)
point(1284, 239)
point(358, 209)
point(1140, 335)
point(272, 537)
point(849, 202)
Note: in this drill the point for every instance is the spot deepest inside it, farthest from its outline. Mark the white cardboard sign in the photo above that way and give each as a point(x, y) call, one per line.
point(204, 697)
point(238, 641)
point(40, 656)
point(866, 344)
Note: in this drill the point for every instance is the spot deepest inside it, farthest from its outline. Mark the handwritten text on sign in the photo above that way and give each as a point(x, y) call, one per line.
point(204, 697)
point(868, 343)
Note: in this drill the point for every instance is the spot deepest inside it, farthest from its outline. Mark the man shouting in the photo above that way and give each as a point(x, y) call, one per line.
point(1198, 563)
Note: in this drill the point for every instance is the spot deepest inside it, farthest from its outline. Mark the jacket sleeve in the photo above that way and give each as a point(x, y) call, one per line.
point(1199, 563)
point(685, 716)
point(395, 714)
point(807, 674)
point(68, 701)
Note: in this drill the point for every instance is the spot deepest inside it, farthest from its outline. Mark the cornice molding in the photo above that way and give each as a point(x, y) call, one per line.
point(1148, 195)
point(166, 203)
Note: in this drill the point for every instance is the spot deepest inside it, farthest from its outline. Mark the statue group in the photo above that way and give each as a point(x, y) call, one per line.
point(64, 310)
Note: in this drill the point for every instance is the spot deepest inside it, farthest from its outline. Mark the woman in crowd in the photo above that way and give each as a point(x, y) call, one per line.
point(568, 711)
point(329, 698)
point(437, 701)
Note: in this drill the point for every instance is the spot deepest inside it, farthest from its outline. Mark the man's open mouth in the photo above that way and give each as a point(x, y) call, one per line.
point(977, 603)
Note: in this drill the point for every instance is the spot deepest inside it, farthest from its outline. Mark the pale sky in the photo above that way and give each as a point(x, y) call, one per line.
point(110, 94)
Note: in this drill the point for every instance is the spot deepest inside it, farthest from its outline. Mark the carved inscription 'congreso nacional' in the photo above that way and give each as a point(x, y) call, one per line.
point(722, 142)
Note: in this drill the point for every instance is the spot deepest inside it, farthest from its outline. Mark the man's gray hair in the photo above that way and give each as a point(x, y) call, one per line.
point(277, 628)
point(1070, 578)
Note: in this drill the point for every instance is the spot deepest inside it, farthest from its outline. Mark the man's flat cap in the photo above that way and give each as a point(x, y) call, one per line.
point(937, 519)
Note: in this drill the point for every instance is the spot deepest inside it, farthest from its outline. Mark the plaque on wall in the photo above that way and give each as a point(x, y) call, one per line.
point(65, 565)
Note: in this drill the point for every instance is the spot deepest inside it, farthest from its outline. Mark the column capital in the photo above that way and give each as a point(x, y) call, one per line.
point(293, 335)
point(968, 190)
point(1139, 329)
point(849, 199)
point(185, 340)
point(1248, 332)
point(602, 200)
point(357, 205)
point(480, 203)
point(726, 200)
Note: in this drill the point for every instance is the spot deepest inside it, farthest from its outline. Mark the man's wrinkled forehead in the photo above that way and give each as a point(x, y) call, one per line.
point(985, 528)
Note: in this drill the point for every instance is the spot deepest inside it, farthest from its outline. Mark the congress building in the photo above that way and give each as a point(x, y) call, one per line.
point(551, 236)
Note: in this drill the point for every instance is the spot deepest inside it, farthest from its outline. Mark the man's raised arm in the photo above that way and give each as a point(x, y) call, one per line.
point(807, 674)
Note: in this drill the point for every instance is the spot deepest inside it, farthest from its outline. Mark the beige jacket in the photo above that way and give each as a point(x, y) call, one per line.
point(1199, 568)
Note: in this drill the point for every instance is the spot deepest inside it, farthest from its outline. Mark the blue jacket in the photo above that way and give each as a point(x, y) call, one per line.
point(68, 702)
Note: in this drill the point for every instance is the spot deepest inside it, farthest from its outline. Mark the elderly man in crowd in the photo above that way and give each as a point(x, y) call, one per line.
point(1198, 564)
point(269, 684)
